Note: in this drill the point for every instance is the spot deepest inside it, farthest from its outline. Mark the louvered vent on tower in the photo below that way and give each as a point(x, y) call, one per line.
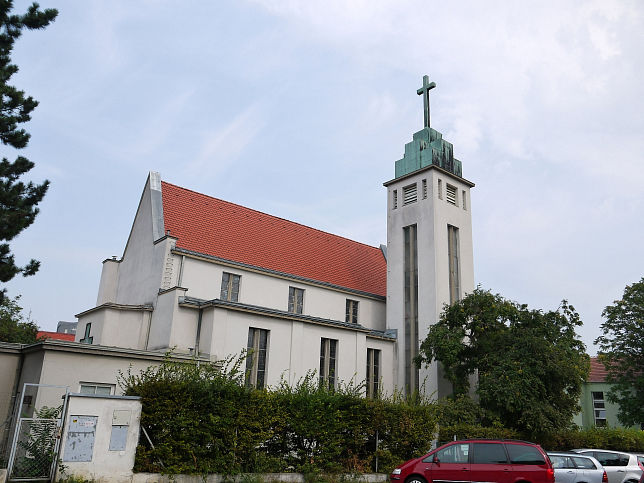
point(410, 194)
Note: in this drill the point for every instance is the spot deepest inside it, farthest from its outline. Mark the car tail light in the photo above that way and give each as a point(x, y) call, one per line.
point(550, 475)
point(604, 477)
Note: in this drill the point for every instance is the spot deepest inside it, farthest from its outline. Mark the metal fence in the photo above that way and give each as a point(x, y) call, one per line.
point(35, 450)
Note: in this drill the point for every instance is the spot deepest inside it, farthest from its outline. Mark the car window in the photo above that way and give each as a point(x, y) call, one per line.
point(640, 459)
point(585, 463)
point(455, 453)
point(521, 454)
point(558, 462)
point(611, 459)
point(490, 453)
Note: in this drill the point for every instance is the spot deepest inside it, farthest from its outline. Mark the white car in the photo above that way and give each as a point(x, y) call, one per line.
point(577, 468)
point(620, 467)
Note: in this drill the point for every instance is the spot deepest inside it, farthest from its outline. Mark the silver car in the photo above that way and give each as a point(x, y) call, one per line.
point(620, 467)
point(576, 468)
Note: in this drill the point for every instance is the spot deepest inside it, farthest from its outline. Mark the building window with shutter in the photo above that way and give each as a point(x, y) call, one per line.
point(373, 373)
point(230, 287)
point(451, 194)
point(256, 357)
point(454, 262)
point(295, 300)
point(599, 408)
point(352, 311)
point(328, 351)
point(410, 194)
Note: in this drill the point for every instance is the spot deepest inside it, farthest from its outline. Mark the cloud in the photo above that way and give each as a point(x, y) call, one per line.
point(220, 147)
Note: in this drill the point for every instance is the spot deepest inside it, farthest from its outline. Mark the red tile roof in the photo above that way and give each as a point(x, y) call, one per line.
point(43, 334)
point(218, 228)
point(598, 371)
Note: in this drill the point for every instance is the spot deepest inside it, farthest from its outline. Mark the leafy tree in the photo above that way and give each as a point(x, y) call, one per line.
point(18, 200)
point(530, 364)
point(622, 352)
point(13, 325)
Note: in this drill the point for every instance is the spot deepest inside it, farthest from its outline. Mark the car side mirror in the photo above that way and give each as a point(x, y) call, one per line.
point(435, 460)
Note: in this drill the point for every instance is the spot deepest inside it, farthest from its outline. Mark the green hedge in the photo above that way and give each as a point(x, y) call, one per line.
point(203, 420)
point(604, 438)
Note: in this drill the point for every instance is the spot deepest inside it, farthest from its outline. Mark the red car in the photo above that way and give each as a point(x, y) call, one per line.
point(481, 460)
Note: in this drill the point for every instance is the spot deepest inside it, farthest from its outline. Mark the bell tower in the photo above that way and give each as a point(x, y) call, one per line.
point(429, 248)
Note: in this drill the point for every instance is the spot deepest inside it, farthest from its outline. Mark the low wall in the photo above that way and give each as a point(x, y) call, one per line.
point(268, 477)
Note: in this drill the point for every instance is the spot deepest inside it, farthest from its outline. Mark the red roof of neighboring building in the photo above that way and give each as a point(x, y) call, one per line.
point(222, 229)
point(598, 371)
point(43, 334)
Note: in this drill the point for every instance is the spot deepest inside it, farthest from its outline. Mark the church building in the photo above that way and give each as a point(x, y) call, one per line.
point(204, 276)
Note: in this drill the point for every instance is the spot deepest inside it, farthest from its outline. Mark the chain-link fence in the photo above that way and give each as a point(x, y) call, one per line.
point(35, 450)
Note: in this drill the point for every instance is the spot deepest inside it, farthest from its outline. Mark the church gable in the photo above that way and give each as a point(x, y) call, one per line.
point(221, 229)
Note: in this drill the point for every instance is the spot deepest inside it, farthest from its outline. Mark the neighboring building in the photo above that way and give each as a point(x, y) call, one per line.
point(596, 410)
point(207, 278)
point(66, 327)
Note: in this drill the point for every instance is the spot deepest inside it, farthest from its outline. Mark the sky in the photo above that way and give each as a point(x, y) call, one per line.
point(300, 109)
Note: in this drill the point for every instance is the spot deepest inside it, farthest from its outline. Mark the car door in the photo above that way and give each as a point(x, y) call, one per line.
point(565, 471)
point(489, 463)
point(449, 465)
point(528, 463)
point(586, 466)
point(612, 463)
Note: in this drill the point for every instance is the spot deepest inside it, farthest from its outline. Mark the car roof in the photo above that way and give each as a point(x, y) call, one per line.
point(597, 449)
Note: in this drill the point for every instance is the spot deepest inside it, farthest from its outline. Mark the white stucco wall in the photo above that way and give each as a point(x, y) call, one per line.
point(105, 464)
point(115, 327)
point(431, 216)
point(203, 280)
point(294, 347)
point(141, 270)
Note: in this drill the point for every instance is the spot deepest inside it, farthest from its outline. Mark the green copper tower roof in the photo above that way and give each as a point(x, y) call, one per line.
point(428, 147)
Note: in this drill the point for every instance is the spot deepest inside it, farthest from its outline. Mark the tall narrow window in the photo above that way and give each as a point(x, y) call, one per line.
point(440, 189)
point(599, 408)
point(352, 311)
point(454, 264)
point(256, 357)
point(394, 201)
point(463, 197)
point(373, 372)
point(411, 306)
point(328, 350)
point(295, 300)
point(88, 339)
point(424, 188)
point(230, 287)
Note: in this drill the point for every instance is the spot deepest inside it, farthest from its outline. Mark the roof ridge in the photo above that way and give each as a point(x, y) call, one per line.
point(268, 214)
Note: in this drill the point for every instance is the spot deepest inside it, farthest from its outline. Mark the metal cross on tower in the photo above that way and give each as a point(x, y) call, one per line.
point(424, 91)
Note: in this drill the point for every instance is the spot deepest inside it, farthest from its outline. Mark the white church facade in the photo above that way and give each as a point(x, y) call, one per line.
point(208, 279)
point(203, 276)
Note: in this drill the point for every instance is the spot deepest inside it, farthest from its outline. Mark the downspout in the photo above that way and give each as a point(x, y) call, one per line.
point(198, 333)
